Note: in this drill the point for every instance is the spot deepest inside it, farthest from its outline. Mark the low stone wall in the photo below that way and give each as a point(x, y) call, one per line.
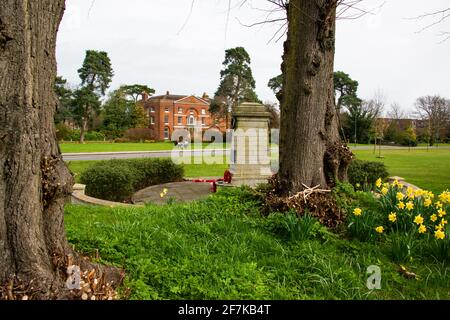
point(402, 181)
point(79, 197)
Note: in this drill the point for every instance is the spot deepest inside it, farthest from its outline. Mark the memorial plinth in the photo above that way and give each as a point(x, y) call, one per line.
point(250, 147)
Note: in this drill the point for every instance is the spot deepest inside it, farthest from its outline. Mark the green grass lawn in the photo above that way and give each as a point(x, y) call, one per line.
point(427, 169)
point(222, 248)
point(122, 147)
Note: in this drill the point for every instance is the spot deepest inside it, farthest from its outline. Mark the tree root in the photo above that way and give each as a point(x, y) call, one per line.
point(78, 279)
point(317, 202)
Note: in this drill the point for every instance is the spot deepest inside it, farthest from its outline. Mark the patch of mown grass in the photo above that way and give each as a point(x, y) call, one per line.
point(428, 170)
point(222, 248)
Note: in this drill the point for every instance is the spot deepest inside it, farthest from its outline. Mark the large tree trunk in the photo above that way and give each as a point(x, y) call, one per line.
point(34, 181)
point(311, 152)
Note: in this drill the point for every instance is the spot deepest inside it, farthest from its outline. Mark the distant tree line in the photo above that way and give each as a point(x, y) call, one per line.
point(362, 121)
point(81, 115)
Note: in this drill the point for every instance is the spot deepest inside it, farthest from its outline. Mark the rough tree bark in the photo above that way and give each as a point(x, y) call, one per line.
point(34, 181)
point(311, 152)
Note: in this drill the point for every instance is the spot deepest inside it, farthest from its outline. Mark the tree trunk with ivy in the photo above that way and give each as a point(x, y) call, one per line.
point(34, 180)
point(311, 151)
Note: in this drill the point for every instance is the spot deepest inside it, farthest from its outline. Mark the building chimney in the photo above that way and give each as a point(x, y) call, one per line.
point(167, 93)
point(205, 96)
point(144, 96)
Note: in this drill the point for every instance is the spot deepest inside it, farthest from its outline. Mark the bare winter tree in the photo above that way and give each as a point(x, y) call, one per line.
point(435, 110)
point(396, 112)
point(376, 105)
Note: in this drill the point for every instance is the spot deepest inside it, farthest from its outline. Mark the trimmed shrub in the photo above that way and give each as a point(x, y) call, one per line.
point(89, 136)
point(94, 136)
point(154, 171)
point(62, 132)
point(117, 180)
point(110, 180)
point(363, 174)
point(139, 134)
point(121, 140)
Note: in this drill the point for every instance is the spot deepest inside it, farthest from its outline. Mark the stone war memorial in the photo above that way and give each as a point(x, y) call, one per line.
point(250, 146)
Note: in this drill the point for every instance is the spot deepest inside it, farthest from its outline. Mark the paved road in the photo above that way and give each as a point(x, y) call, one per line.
point(165, 154)
point(134, 154)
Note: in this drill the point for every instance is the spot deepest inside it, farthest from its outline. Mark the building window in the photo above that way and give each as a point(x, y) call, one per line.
point(166, 133)
point(180, 110)
point(152, 109)
point(166, 119)
point(191, 120)
point(152, 120)
point(203, 111)
point(180, 120)
point(167, 110)
point(203, 121)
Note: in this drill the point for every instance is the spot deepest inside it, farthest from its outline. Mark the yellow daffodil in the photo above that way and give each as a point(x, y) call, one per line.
point(379, 229)
point(378, 183)
point(418, 192)
point(400, 196)
point(443, 222)
point(393, 217)
point(422, 229)
point(439, 227)
point(444, 197)
point(439, 234)
point(438, 205)
point(401, 185)
point(430, 195)
point(418, 220)
point(384, 191)
point(427, 202)
point(395, 183)
point(401, 205)
point(441, 213)
point(164, 193)
point(409, 205)
point(409, 190)
point(386, 185)
point(433, 218)
point(357, 212)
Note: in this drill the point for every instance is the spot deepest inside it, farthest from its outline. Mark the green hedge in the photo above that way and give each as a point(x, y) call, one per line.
point(117, 180)
point(366, 173)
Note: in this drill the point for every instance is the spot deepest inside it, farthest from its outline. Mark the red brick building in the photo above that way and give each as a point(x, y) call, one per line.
point(170, 112)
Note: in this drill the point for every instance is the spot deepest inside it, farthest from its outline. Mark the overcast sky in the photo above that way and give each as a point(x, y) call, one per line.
point(148, 44)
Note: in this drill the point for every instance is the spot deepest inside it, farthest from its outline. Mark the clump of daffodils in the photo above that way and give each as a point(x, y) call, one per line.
point(416, 210)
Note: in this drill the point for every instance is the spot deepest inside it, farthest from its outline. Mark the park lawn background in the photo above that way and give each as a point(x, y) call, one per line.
point(98, 146)
point(90, 147)
point(222, 248)
point(426, 169)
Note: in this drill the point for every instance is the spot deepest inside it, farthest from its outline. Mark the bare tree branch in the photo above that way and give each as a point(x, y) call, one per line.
point(438, 17)
point(346, 10)
point(188, 18)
